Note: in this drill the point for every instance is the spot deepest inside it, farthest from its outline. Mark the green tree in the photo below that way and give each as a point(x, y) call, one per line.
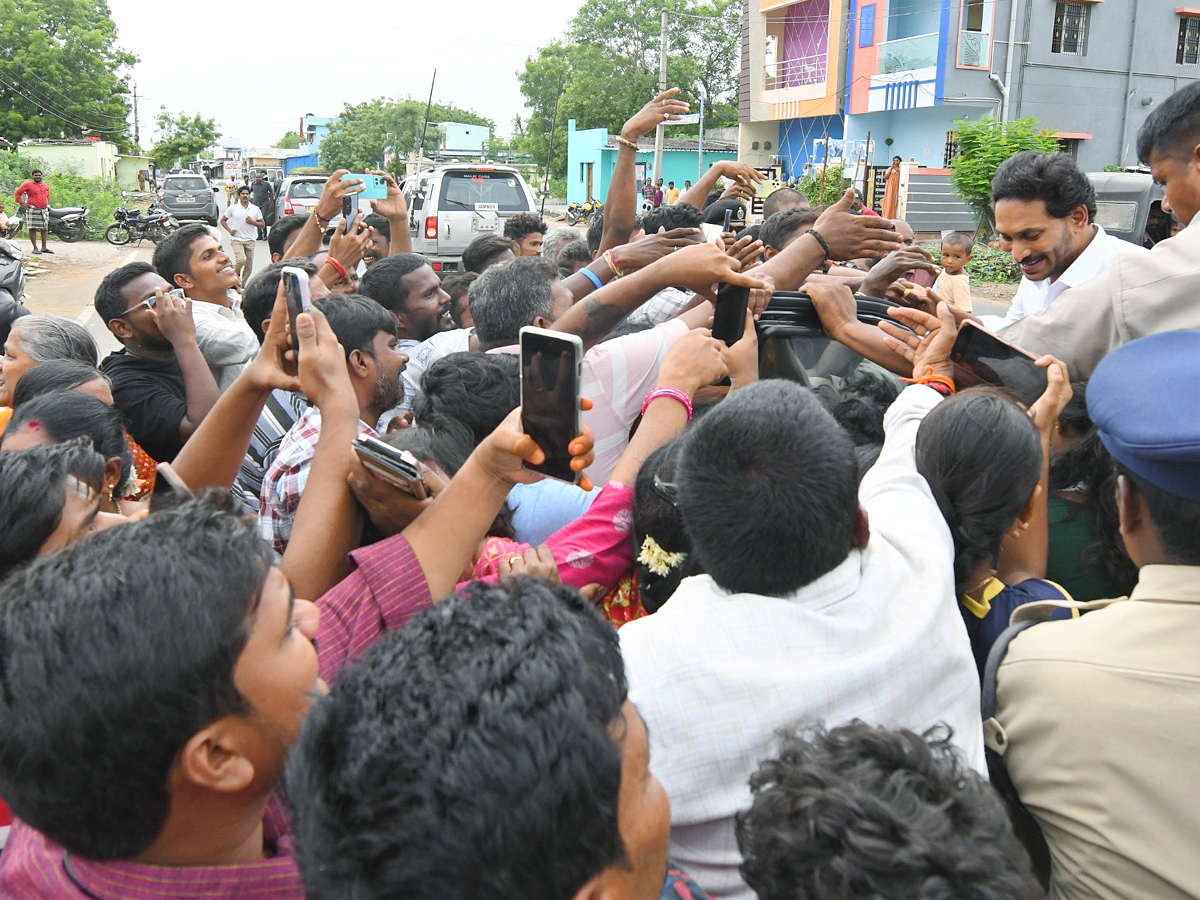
point(359, 136)
point(181, 137)
point(60, 71)
point(607, 67)
point(833, 179)
point(290, 141)
point(983, 144)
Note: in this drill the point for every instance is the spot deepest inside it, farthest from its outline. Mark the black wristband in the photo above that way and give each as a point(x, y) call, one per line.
point(821, 240)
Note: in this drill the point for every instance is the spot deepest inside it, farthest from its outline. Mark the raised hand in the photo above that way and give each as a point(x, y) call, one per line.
point(346, 248)
point(855, 237)
point(927, 346)
point(694, 361)
point(894, 265)
point(747, 250)
point(741, 359)
point(702, 266)
point(641, 253)
point(389, 508)
point(322, 363)
point(663, 108)
point(1047, 408)
point(394, 207)
point(174, 318)
point(534, 562)
point(504, 452)
point(334, 190)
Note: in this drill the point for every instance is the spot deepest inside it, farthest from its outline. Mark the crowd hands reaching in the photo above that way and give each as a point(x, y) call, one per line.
point(758, 645)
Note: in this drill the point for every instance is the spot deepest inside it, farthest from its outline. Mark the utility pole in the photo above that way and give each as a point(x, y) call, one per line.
point(662, 86)
point(136, 134)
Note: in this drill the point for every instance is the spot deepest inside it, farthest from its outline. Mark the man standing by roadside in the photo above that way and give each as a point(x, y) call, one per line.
point(34, 199)
point(262, 197)
point(242, 220)
point(672, 193)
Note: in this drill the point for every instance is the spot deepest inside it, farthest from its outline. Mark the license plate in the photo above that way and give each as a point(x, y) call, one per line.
point(185, 199)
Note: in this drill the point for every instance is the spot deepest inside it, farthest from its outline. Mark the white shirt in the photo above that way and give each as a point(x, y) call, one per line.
point(238, 218)
point(1034, 296)
point(226, 341)
point(879, 638)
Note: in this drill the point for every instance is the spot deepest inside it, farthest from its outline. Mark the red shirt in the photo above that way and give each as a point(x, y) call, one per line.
point(39, 194)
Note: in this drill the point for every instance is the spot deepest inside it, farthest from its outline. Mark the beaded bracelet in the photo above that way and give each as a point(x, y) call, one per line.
point(626, 143)
point(591, 276)
point(674, 394)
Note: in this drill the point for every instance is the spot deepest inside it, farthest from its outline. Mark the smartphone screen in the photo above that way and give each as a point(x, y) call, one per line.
point(729, 313)
point(980, 357)
point(295, 289)
point(550, 372)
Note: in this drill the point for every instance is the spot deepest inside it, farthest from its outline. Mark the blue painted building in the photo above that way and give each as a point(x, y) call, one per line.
point(592, 154)
point(312, 130)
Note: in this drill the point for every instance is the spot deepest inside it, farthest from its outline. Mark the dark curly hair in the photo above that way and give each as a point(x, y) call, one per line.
point(522, 225)
point(860, 812)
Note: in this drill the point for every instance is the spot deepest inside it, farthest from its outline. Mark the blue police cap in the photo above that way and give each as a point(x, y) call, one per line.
point(1144, 398)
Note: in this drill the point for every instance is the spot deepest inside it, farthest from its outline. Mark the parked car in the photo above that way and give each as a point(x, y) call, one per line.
point(451, 205)
point(298, 194)
point(1129, 205)
point(188, 196)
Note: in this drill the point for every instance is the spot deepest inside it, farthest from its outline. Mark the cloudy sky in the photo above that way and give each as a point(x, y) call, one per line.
point(257, 67)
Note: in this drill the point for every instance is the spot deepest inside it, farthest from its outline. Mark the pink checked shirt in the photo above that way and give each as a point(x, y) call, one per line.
point(385, 590)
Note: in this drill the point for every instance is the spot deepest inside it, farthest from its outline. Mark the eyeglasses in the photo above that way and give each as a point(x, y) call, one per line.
point(149, 303)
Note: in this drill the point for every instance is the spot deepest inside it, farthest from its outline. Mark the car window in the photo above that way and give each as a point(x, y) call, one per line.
point(186, 184)
point(462, 190)
point(305, 190)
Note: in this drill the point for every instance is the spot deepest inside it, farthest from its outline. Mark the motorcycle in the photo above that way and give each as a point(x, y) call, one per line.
point(68, 222)
point(131, 225)
point(12, 273)
point(578, 212)
point(14, 227)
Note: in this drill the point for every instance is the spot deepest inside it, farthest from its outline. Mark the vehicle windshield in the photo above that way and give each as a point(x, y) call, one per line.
point(186, 184)
point(305, 190)
point(463, 190)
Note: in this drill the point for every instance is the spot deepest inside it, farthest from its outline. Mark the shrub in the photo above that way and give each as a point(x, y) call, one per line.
point(101, 197)
point(987, 264)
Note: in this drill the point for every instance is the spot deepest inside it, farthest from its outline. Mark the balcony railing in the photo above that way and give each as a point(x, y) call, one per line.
point(799, 72)
point(906, 54)
point(973, 49)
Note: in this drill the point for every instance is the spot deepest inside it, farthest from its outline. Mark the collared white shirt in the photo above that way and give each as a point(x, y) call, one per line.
point(225, 339)
point(1034, 296)
point(239, 217)
point(717, 675)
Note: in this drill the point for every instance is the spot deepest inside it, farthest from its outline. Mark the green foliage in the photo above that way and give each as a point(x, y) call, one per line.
point(15, 170)
point(987, 265)
point(983, 145)
point(59, 71)
point(101, 197)
point(606, 68)
point(182, 137)
point(835, 181)
point(290, 141)
point(358, 137)
point(1111, 168)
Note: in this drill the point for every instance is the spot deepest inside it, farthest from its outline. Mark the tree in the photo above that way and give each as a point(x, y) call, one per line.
point(290, 141)
point(60, 71)
point(607, 67)
point(982, 146)
point(181, 137)
point(834, 180)
point(358, 138)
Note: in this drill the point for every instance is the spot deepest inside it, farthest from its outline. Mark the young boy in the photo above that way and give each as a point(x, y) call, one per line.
point(953, 283)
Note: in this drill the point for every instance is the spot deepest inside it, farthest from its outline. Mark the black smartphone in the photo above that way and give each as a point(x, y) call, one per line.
point(729, 313)
point(551, 368)
point(980, 357)
point(397, 467)
point(295, 290)
point(350, 211)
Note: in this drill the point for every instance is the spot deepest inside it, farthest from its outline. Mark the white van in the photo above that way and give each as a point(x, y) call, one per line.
point(449, 206)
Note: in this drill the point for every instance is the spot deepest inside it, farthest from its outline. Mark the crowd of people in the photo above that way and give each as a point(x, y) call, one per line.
point(874, 635)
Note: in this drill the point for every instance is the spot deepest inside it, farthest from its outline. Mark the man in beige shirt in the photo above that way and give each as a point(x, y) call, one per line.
point(1146, 293)
point(1098, 718)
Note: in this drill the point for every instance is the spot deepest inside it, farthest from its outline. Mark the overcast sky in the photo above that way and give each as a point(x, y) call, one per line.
point(257, 67)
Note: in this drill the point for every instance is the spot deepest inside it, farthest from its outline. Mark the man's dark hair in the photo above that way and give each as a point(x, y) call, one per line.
point(36, 172)
point(173, 255)
point(54, 375)
point(981, 455)
point(595, 231)
point(380, 224)
point(506, 298)
point(679, 215)
point(768, 488)
point(1051, 177)
point(481, 251)
point(33, 493)
point(283, 229)
point(1173, 129)
point(258, 297)
point(476, 746)
point(356, 321)
point(150, 646)
point(778, 230)
point(110, 302)
point(522, 225)
point(384, 281)
point(784, 198)
point(65, 415)
point(459, 284)
point(867, 814)
point(574, 252)
point(476, 389)
point(244, 189)
point(1176, 519)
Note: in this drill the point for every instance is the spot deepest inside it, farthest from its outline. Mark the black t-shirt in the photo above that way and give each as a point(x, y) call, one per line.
point(151, 395)
point(260, 194)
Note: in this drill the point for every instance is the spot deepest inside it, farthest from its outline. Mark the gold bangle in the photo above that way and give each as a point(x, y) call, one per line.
point(626, 143)
point(612, 264)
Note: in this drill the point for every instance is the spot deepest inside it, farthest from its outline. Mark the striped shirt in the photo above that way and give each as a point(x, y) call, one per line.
point(279, 414)
point(385, 590)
